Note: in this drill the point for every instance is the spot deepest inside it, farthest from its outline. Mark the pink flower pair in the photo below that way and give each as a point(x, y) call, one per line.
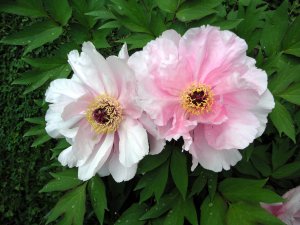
point(200, 86)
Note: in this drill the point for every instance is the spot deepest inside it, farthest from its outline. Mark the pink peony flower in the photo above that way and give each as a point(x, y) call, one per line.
point(288, 211)
point(97, 112)
point(204, 88)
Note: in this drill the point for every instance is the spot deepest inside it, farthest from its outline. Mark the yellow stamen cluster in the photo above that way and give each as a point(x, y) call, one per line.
point(197, 99)
point(104, 114)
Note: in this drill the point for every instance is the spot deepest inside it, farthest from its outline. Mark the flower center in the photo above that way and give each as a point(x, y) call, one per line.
point(104, 114)
point(197, 99)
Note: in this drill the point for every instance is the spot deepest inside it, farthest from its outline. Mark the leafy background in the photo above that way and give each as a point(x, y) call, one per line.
point(35, 189)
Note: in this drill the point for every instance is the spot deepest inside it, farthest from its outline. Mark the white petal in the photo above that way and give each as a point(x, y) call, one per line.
point(127, 86)
point(66, 157)
point(210, 158)
point(104, 170)
point(64, 90)
point(133, 145)
point(92, 69)
point(97, 158)
point(123, 54)
point(118, 171)
point(262, 109)
point(56, 127)
point(85, 141)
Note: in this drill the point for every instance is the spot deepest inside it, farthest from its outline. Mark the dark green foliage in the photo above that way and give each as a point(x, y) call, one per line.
point(164, 191)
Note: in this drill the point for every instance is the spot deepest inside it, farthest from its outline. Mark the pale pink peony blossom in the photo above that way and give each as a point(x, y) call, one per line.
point(289, 210)
point(204, 88)
point(98, 113)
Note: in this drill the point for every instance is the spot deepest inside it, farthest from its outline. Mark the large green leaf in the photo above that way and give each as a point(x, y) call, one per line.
point(179, 172)
point(239, 189)
point(34, 36)
point(98, 197)
point(248, 214)
point(31, 8)
point(60, 10)
point(71, 206)
point(169, 6)
point(213, 211)
point(287, 171)
point(131, 215)
point(275, 28)
point(292, 37)
point(282, 120)
point(62, 181)
point(195, 10)
point(155, 181)
point(281, 153)
point(292, 94)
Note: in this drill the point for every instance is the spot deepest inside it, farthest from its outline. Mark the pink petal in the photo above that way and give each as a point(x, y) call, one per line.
point(210, 158)
point(236, 133)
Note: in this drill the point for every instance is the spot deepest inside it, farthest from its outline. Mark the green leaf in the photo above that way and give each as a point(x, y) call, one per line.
point(110, 24)
point(62, 181)
point(292, 94)
point(44, 63)
point(31, 8)
point(151, 162)
point(275, 28)
point(213, 211)
point(179, 172)
point(281, 153)
point(294, 50)
point(292, 36)
point(137, 40)
point(199, 184)
point(131, 215)
point(212, 182)
point(99, 38)
point(283, 121)
point(195, 10)
point(36, 120)
point(247, 214)
point(71, 206)
point(169, 6)
point(189, 211)
point(228, 24)
point(155, 180)
point(239, 189)
point(286, 75)
point(287, 171)
point(97, 193)
point(175, 215)
point(34, 36)
point(60, 10)
point(166, 203)
point(41, 140)
point(36, 130)
point(101, 14)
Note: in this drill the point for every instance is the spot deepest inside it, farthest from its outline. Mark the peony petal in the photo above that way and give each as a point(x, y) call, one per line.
point(92, 69)
point(123, 54)
point(127, 87)
point(210, 158)
point(208, 49)
point(133, 144)
point(262, 109)
point(77, 107)
point(85, 141)
point(67, 158)
point(118, 171)
point(56, 127)
point(64, 90)
point(236, 133)
point(97, 159)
